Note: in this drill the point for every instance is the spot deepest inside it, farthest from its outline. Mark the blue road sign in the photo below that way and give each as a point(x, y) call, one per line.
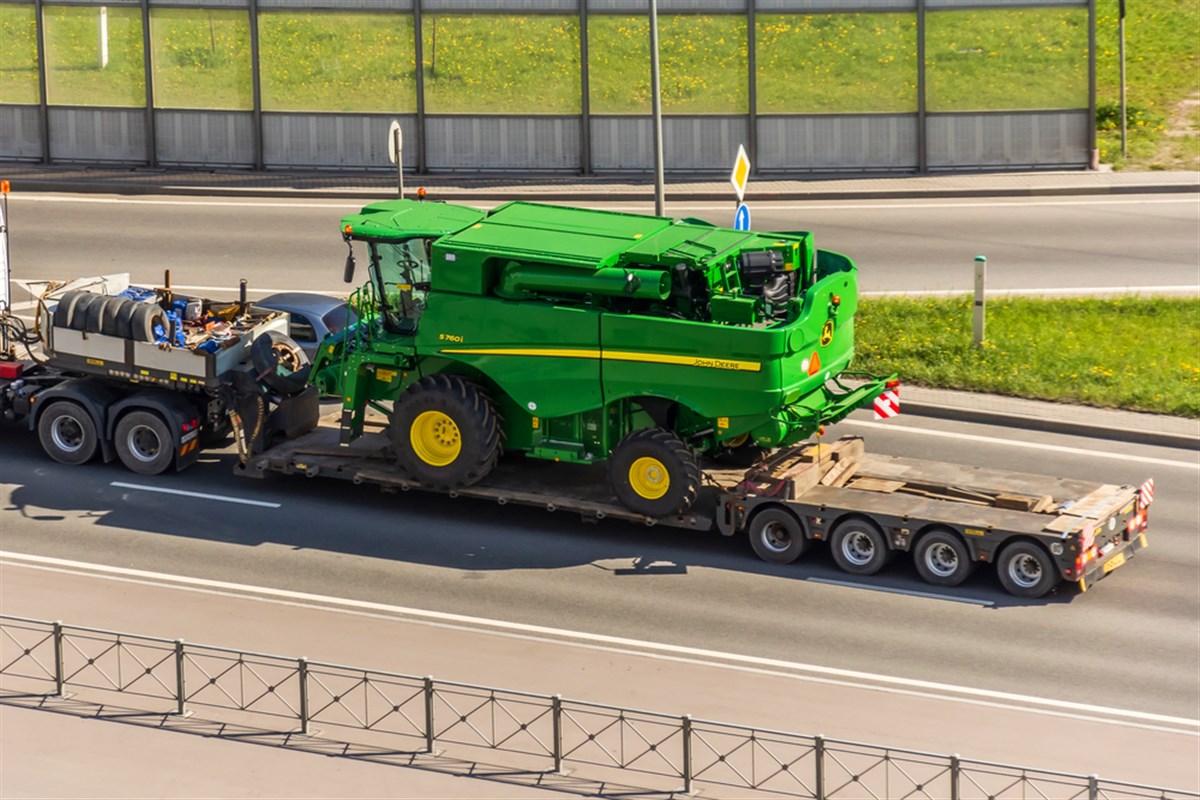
point(741, 218)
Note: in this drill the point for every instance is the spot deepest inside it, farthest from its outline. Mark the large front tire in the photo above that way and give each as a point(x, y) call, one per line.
point(445, 432)
point(653, 472)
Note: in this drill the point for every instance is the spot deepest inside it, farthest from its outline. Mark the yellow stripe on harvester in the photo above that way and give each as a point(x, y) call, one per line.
point(704, 362)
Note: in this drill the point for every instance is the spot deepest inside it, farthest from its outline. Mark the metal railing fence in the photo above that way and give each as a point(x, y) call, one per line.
point(546, 731)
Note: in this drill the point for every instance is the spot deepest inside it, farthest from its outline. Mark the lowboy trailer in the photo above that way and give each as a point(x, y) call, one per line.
point(1037, 531)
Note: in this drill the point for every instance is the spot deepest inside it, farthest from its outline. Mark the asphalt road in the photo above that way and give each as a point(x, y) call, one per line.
point(1133, 642)
point(904, 245)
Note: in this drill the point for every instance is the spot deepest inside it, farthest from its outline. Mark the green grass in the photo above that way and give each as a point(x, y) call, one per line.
point(1162, 68)
point(1134, 353)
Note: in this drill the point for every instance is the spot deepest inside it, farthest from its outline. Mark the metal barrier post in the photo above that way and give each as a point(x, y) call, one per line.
point(687, 753)
point(302, 671)
point(58, 659)
point(180, 687)
point(556, 719)
point(1093, 786)
point(819, 766)
point(428, 713)
point(955, 769)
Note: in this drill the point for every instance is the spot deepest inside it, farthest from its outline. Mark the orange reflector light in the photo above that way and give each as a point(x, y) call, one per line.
point(894, 383)
point(835, 299)
point(4, 187)
point(348, 229)
point(814, 364)
point(421, 193)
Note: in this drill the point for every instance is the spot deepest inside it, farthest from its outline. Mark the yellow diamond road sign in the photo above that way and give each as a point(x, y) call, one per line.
point(741, 172)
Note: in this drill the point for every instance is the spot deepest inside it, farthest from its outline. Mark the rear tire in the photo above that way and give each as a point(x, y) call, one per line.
point(859, 547)
point(1026, 570)
point(652, 472)
point(942, 558)
point(777, 536)
point(445, 432)
point(67, 433)
point(280, 362)
point(144, 444)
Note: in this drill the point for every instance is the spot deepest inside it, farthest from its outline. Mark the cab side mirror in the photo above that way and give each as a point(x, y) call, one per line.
point(348, 273)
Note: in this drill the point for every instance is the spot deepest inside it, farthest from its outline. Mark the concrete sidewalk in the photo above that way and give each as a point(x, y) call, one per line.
point(112, 180)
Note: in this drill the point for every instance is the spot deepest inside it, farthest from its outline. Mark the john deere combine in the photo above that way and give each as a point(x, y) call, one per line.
point(577, 336)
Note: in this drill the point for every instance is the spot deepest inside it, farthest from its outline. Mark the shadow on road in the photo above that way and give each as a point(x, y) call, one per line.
point(467, 534)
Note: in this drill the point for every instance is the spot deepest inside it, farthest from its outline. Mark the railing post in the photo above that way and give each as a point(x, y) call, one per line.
point(58, 658)
point(180, 687)
point(556, 719)
point(302, 671)
point(1093, 786)
point(819, 766)
point(955, 768)
point(428, 713)
point(687, 753)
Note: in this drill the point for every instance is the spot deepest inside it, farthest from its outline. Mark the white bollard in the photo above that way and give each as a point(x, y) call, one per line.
point(980, 281)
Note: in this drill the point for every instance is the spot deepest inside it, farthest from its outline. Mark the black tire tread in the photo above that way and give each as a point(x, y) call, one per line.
point(672, 447)
point(479, 413)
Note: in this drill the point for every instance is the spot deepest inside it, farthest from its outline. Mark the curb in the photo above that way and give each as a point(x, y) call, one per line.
point(1047, 425)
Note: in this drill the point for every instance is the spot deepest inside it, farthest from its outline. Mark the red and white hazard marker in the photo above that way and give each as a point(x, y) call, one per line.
point(887, 405)
point(1146, 493)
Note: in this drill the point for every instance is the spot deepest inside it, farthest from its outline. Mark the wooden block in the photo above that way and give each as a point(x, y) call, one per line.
point(1063, 523)
point(1044, 504)
point(1017, 502)
point(869, 484)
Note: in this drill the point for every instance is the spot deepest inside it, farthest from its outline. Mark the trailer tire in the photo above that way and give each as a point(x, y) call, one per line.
point(1025, 569)
point(942, 558)
point(280, 363)
point(65, 310)
point(859, 547)
point(79, 310)
point(445, 432)
point(652, 472)
point(68, 433)
point(143, 443)
point(143, 321)
point(777, 536)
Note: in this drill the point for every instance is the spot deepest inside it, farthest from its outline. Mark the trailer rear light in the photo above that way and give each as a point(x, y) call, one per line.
point(1081, 561)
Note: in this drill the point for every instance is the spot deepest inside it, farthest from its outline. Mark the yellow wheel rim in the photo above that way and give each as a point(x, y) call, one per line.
point(648, 477)
point(435, 438)
point(737, 441)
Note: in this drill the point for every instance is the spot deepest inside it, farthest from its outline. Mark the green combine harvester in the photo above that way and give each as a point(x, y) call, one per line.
point(578, 336)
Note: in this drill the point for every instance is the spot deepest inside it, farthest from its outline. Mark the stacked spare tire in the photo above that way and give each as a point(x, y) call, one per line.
point(109, 315)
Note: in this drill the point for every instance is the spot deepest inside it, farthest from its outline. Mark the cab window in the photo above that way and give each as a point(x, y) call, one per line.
point(402, 271)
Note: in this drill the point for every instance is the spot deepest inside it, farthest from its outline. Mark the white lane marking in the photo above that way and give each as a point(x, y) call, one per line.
point(910, 592)
point(598, 641)
point(615, 650)
point(585, 199)
point(1054, 448)
point(1033, 291)
point(200, 495)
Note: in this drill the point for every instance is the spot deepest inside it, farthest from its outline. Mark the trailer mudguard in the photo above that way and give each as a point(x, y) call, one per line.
point(95, 397)
point(182, 416)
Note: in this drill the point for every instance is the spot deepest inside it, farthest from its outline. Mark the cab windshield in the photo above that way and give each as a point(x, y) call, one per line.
point(402, 274)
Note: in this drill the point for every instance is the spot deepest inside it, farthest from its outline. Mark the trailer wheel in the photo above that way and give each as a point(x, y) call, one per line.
point(445, 432)
point(652, 472)
point(144, 443)
point(67, 433)
point(859, 547)
point(942, 558)
point(777, 536)
point(1026, 570)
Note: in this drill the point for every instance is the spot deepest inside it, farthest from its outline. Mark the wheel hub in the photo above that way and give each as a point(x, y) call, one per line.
point(941, 560)
point(1025, 571)
point(435, 438)
point(648, 477)
point(858, 548)
point(67, 434)
point(143, 443)
point(776, 537)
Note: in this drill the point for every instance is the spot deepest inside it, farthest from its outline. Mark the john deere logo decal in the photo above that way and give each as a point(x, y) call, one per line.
point(827, 333)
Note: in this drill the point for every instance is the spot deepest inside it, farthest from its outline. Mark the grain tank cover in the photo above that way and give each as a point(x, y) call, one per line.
point(573, 237)
point(404, 219)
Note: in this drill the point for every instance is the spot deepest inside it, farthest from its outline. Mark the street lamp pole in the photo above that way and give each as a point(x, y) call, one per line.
point(656, 109)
